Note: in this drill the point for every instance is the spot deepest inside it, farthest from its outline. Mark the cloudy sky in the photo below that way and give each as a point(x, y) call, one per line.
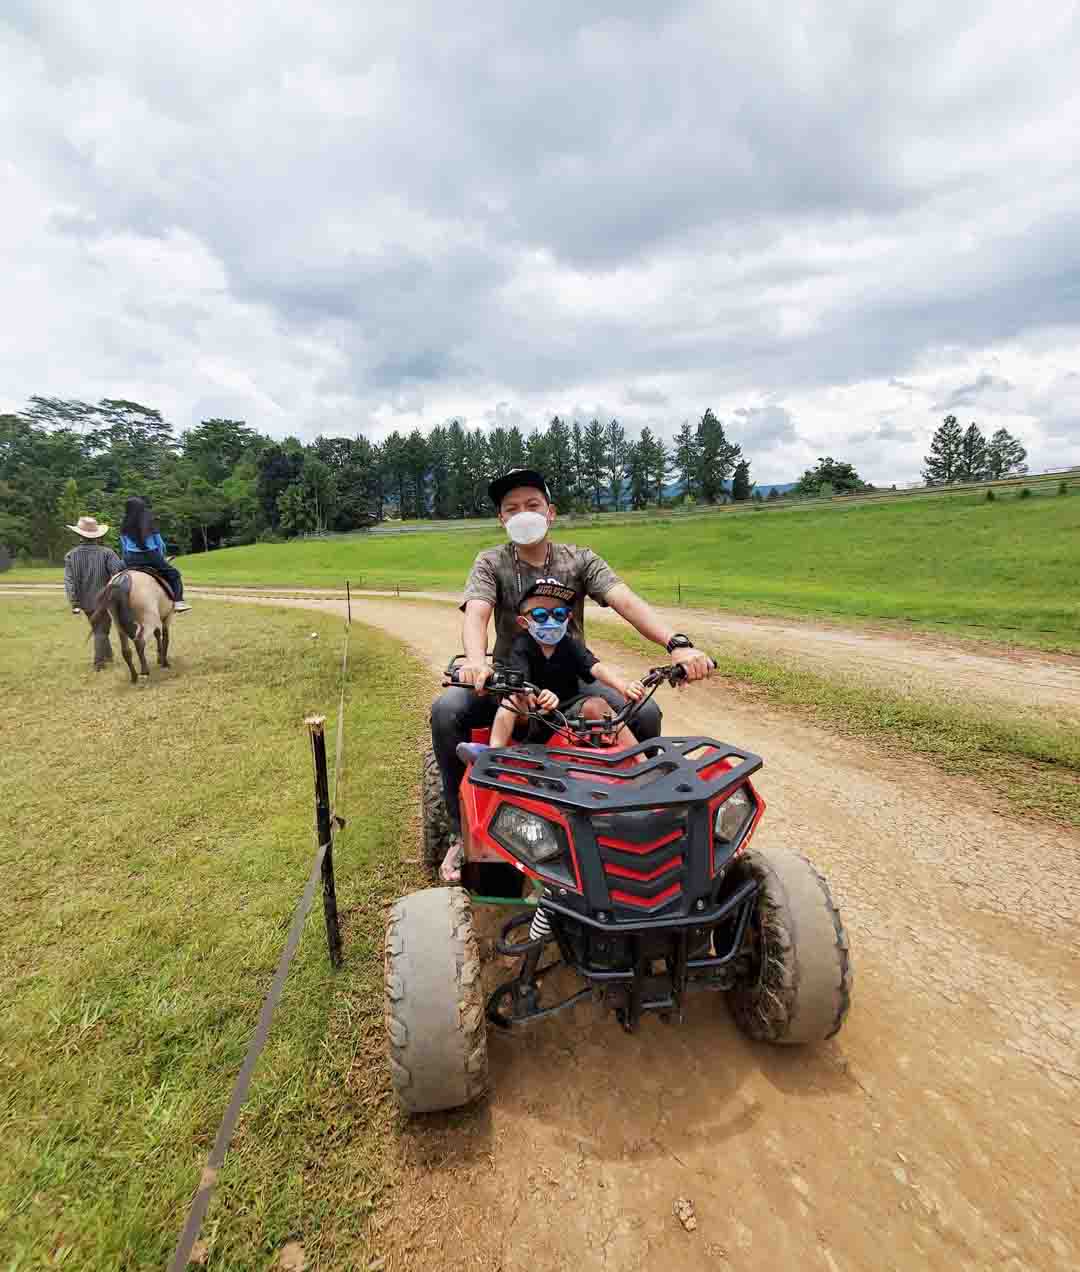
point(832, 222)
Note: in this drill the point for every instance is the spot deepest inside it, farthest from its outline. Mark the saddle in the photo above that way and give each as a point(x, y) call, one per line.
point(157, 577)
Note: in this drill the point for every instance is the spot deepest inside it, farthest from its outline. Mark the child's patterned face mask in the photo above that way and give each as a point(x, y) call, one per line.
point(549, 633)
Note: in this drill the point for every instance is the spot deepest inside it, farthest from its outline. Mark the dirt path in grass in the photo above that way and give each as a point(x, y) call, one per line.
point(939, 1130)
point(1030, 682)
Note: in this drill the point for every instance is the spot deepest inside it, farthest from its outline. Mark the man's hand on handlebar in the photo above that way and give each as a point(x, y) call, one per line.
point(546, 700)
point(635, 691)
point(475, 674)
point(698, 666)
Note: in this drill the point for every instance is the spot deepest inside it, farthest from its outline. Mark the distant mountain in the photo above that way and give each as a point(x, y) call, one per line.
point(675, 491)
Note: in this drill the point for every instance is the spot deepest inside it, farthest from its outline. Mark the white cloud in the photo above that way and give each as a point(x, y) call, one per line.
point(348, 218)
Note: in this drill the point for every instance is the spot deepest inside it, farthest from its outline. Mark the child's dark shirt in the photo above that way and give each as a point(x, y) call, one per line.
point(561, 673)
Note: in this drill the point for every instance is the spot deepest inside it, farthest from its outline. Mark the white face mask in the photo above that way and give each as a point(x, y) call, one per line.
point(527, 527)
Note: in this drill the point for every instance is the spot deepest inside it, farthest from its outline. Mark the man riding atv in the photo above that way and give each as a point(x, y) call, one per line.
point(499, 579)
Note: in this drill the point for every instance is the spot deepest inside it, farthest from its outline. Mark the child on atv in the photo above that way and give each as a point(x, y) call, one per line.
point(558, 664)
point(547, 656)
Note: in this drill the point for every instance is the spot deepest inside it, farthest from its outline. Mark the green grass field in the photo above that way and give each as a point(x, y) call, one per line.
point(1012, 564)
point(154, 844)
point(1004, 568)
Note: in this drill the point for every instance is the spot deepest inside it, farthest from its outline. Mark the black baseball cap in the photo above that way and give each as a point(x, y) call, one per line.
point(550, 589)
point(518, 477)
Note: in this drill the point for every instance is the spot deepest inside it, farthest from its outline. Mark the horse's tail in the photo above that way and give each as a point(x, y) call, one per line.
point(115, 596)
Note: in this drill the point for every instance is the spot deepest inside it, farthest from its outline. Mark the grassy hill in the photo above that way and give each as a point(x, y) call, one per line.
point(1008, 565)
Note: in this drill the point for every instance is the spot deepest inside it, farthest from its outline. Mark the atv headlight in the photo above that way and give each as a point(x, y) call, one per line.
point(733, 815)
point(537, 839)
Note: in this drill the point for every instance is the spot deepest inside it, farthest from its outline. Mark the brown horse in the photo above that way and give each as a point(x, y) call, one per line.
point(138, 604)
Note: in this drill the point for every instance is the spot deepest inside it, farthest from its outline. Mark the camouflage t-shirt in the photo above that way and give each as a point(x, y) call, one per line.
point(500, 577)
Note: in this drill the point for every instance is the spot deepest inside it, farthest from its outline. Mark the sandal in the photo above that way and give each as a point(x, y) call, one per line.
point(450, 870)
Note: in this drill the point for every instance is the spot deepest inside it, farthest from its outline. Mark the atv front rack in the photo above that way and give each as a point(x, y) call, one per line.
point(673, 772)
point(638, 988)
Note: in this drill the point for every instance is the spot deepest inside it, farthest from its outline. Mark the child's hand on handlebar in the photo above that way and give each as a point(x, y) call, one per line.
point(635, 691)
point(546, 700)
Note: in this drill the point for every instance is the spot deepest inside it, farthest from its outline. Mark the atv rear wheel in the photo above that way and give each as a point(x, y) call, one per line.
point(797, 985)
point(434, 817)
point(434, 1002)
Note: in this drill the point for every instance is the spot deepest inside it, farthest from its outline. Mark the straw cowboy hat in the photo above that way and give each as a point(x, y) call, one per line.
point(89, 529)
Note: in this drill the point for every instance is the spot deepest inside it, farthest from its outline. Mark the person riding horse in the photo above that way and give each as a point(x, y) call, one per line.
point(142, 545)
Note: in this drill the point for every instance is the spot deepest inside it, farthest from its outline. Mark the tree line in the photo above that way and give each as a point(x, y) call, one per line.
point(964, 454)
point(223, 482)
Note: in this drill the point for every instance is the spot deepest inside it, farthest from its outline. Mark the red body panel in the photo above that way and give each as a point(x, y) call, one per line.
point(478, 807)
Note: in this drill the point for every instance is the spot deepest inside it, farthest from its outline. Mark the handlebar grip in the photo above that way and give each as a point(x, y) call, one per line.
point(678, 672)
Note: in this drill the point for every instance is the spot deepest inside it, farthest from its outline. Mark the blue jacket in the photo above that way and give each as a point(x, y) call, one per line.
point(155, 543)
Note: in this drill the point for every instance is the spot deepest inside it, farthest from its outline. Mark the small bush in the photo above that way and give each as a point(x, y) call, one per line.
point(1025, 493)
point(1063, 487)
point(990, 496)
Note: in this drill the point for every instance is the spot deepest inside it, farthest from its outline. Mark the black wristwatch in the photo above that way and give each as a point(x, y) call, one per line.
point(679, 641)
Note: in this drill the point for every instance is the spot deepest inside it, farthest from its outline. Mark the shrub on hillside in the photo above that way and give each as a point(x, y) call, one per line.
point(1063, 487)
point(990, 496)
point(1025, 493)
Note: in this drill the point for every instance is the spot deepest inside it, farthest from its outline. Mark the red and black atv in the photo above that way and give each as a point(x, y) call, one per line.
point(633, 863)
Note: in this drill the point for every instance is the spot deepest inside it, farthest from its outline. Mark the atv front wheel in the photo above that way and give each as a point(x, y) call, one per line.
point(797, 983)
point(433, 815)
point(434, 1002)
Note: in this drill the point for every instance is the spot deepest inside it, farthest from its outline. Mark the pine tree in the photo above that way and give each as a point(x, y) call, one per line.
point(972, 454)
point(515, 446)
point(740, 482)
point(716, 457)
point(479, 472)
point(417, 461)
point(560, 463)
point(580, 485)
point(615, 441)
point(636, 471)
point(686, 458)
point(396, 466)
point(1005, 455)
point(458, 486)
point(594, 446)
point(499, 449)
point(536, 451)
point(943, 462)
point(659, 463)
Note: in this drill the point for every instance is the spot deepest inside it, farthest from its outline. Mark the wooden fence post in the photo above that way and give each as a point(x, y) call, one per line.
point(348, 601)
point(326, 835)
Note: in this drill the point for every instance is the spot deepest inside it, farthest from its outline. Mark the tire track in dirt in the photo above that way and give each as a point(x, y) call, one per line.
point(935, 1132)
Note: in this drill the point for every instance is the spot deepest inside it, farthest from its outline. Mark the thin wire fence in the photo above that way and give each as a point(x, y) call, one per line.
point(328, 821)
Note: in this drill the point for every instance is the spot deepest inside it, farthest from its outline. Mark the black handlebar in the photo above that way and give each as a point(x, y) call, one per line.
point(504, 683)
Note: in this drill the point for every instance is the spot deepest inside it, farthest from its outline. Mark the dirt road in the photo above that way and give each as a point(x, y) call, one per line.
point(1028, 682)
point(939, 1130)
